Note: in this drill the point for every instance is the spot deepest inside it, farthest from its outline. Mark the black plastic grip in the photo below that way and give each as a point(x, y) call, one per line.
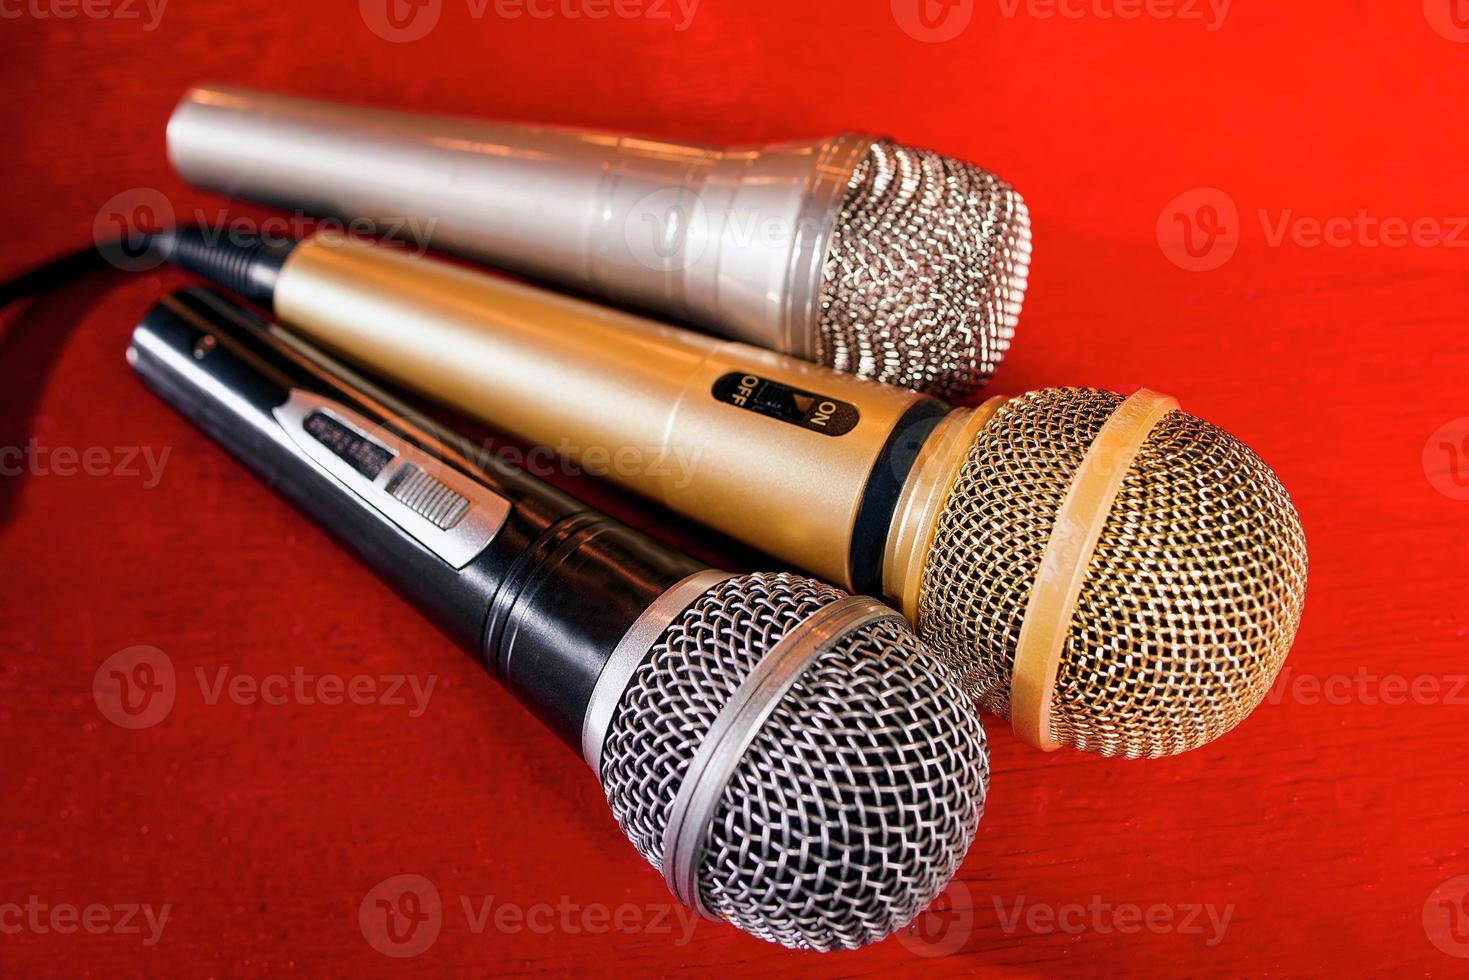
point(248, 266)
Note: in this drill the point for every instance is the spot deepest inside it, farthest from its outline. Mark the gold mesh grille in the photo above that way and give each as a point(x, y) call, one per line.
point(1190, 602)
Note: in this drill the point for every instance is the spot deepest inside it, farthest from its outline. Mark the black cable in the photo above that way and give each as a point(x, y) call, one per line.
point(247, 266)
point(57, 272)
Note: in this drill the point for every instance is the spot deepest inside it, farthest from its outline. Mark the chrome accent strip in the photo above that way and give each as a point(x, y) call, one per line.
point(735, 729)
point(459, 543)
point(631, 649)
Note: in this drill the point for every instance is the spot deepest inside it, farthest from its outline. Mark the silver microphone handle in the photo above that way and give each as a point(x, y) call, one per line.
point(734, 240)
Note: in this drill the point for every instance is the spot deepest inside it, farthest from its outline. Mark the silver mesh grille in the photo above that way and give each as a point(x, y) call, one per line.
point(926, 273)
point(858, 798)
point(1189, 605)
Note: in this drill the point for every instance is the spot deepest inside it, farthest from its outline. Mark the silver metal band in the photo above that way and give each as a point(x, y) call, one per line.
point(811, 240)
point(444, 509)
point(735, 728)
point(631, 650)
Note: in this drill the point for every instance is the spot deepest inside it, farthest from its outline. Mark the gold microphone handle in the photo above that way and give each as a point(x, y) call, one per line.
point(765, 448)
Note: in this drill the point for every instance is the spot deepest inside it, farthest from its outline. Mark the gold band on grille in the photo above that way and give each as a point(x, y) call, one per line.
point(1068, 554)
point(916, 516)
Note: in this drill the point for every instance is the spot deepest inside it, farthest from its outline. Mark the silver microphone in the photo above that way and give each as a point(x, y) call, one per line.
point(892, 263)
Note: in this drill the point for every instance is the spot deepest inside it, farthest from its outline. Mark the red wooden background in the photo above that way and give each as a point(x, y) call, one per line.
point(1314, 154)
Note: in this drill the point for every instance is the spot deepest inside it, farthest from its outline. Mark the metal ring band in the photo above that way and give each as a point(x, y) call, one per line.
point(631, 649)
point(812, 239)
point(735, 728)
point(927, 492)
point(1068, 554)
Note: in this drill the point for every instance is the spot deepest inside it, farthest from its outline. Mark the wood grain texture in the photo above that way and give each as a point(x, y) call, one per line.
point(1321, 827)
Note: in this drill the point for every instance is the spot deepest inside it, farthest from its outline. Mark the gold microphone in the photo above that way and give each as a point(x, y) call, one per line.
point(1106, 573)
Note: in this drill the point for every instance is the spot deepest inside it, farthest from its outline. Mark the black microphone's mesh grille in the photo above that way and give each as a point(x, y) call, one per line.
point(858, 797)
point(926, 273)
point(857, 802)
point(680, 688)
point(1189, 605)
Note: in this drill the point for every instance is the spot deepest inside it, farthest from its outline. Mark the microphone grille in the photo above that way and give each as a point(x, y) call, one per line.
point(858, 797)
point(1190, 602)
point(926, 273)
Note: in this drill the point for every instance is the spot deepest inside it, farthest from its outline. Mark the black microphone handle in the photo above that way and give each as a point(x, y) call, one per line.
point(536, 585)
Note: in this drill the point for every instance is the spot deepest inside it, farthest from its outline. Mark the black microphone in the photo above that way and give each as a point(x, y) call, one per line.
point(793, 760)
